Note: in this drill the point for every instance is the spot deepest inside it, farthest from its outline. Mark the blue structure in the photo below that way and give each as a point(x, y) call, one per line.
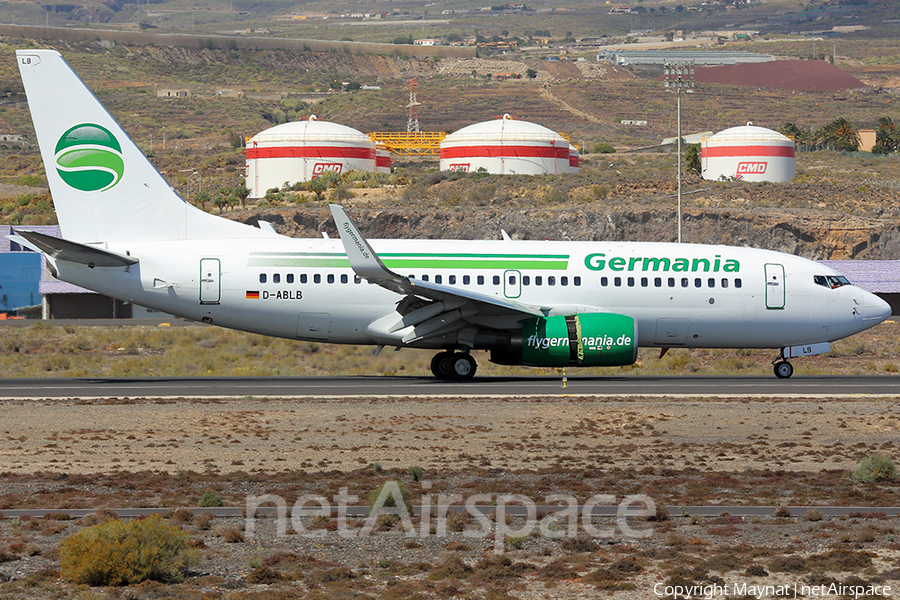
point(20, 279)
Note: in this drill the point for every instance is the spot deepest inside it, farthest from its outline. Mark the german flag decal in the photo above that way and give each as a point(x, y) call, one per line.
point(253, 295)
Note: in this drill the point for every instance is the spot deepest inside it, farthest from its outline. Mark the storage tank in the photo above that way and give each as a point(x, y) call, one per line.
point(303, 150)
point(505, 146)
point(747, 153)
point(574, 159)
point(382, 159)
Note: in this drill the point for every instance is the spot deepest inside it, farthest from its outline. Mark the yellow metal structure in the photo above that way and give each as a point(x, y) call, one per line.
point(422, 143)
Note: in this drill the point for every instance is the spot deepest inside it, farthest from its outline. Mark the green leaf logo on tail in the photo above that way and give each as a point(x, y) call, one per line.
point(89, 158)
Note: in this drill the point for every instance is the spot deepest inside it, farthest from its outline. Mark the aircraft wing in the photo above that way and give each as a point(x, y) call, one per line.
point(366, 263)
point(58, 248)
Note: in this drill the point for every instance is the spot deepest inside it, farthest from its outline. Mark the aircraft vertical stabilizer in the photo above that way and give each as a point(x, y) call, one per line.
point(103, 187)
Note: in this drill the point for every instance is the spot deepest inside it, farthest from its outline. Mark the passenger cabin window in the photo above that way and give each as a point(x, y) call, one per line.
point(577, 280)
point(526, 279)
point(604, 281)
point(466, 280)
point(276, 278)
point(344, 279)
point(438, 279)
point(631, 282)
point(538, 280)
point(551, 280)
point(317, 278)
point(617, 281)
point(724, 282)
point(644, 282)
point(737, 282)
point(563, 280)
point(330, 278)
point(262, 277)
point(303, 278)
point(496, 279)
point(480, 280)
point(424, 277)
point(512, 280)
point(356, 279)
point(451, 279)
point(290, 278)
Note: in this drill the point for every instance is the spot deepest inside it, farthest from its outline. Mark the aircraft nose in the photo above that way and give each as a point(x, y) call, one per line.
point(875, 310)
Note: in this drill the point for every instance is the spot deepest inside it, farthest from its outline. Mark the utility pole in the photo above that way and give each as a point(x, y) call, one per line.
point(412, 123)
point(678, 76)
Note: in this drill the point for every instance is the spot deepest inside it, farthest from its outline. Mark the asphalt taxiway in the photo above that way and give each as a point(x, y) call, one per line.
point(487, 387)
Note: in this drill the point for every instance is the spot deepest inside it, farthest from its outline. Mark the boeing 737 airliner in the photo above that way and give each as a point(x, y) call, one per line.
point(127, 234)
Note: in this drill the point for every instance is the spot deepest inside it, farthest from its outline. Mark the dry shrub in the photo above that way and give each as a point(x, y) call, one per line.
point(99, 516)
point(756, 571)
point(788, 564)
point(330, 576)
point(579, 544)
point(497, 568)
point(264, 575)
point(457, 521)
point(814, 514)
point(7, 556)
point(841, 560)
point(557, 569)
point(203, 521)
point(126, 552)
point(181, 516)
point(452, 566)
point(232, 535)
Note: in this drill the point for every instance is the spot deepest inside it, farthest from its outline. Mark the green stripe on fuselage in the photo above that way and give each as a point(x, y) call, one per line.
point(549, 262)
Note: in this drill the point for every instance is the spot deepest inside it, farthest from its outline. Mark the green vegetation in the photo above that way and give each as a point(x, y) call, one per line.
point(875, 468)
point(127, 552)
point(211, 498)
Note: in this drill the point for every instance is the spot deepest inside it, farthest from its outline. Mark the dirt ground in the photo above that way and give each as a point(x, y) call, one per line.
point(342, 434)
point(752, 451)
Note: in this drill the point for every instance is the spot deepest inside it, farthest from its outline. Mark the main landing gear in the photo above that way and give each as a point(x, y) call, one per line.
point(458, 366)
point(783, 369)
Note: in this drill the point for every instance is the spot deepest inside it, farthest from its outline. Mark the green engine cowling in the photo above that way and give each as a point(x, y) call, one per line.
point(585, 340)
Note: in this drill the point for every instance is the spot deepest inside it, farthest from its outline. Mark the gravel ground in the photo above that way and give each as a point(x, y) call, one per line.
point(146, 452)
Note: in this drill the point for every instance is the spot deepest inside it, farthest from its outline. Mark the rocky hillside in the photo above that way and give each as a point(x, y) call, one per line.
point(805, 232)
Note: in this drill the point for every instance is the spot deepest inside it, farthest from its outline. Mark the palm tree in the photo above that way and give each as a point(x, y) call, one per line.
point(887, 137)
point(839, 134)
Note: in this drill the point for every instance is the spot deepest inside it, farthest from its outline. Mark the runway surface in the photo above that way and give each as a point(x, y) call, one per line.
point(324, 387)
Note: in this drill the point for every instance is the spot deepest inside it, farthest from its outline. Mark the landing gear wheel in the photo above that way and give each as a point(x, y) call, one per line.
point(463, 367)
point(436, 365)
point(783, 369)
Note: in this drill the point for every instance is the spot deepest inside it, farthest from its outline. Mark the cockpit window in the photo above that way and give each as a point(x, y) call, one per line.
point(830, 281)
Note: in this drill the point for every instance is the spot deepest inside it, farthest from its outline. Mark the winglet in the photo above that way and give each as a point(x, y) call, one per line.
point(363, 259)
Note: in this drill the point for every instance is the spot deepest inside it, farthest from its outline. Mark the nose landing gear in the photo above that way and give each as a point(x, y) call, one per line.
point(783, 369)
point(457, 366)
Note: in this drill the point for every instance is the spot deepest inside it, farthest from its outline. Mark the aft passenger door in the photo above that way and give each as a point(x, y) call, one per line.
point(210, 281)
point(775, 287)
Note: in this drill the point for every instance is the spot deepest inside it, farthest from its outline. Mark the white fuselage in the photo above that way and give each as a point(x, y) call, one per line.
point(680, 295)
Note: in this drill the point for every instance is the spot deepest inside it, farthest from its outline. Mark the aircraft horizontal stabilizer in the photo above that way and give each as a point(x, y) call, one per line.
point(60, 249)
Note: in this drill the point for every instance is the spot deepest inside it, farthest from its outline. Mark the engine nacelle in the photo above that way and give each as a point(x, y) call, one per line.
point(584, 340)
